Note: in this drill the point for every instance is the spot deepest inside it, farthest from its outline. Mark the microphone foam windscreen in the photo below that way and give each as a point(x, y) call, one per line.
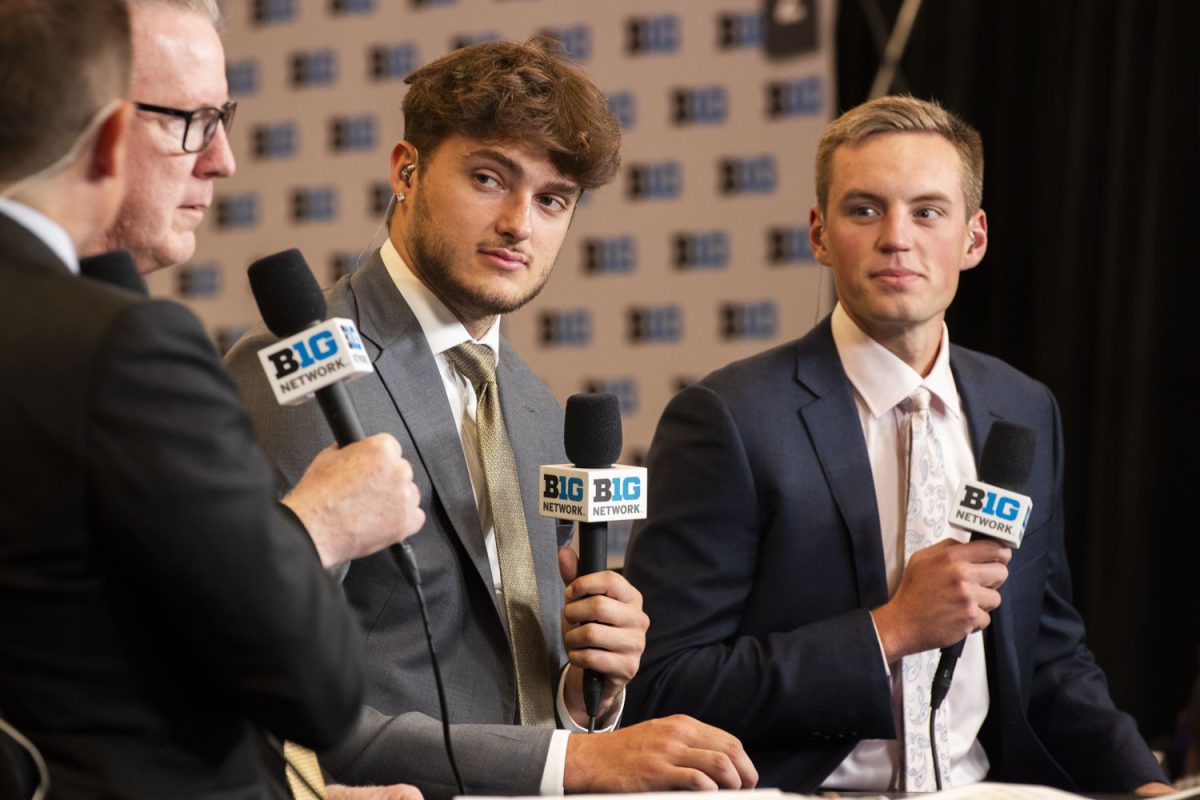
point(287, 294)
point(592, 432)
point(1007, 458)
point(116, 267)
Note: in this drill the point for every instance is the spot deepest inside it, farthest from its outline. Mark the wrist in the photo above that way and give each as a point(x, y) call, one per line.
point(311, 523)
point(890, 629)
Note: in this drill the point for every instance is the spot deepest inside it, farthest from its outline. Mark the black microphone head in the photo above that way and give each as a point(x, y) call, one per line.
point(116, 267)
point(592, 432)
point(1007, 458)
point(287, 294)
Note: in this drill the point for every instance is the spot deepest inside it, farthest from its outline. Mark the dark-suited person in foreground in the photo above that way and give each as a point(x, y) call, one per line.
point(160, 609)
point(178, 146)
point(783, 504)
point(501, 140)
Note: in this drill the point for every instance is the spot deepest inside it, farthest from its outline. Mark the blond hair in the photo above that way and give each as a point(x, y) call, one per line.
point(903, 114)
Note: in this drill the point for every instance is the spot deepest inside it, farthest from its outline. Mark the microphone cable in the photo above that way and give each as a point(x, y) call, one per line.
point(40, 763)
point(937, 767)
point(408, 565)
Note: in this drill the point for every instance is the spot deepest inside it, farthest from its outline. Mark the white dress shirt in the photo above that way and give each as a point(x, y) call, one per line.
point(881, 380)
point(443, 331)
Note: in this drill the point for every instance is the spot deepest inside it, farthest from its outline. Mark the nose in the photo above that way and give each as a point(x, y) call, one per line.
point(895, 234)
point(515, 222)
point(216, 160)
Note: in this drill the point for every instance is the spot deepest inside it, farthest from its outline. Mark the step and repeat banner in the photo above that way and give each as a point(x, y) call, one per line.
point(694, 256)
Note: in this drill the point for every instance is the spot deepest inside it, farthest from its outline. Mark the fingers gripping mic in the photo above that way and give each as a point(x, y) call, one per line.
point(592, 491)
point(592, 438)
point(315, 355)
point(991, 507)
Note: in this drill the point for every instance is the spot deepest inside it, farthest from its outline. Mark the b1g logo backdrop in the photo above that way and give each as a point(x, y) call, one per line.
point(694, 256)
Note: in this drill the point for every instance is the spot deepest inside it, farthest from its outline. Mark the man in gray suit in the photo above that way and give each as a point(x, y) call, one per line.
point(501, 140)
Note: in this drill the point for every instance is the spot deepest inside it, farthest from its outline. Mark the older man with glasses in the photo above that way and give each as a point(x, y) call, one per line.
point(177, 147)
point(177, 138)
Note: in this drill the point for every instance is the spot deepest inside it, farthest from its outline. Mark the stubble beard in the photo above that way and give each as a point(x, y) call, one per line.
point(433, 259)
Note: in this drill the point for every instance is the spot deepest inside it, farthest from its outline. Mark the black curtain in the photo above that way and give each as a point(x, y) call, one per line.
point(1089, 116)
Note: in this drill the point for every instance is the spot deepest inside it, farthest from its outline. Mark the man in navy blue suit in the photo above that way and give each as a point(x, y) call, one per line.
point(773, 565)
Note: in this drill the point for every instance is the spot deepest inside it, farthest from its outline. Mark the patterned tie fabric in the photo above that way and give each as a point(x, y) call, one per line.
point(925, 522)
point(534, 694)
point(304, 760)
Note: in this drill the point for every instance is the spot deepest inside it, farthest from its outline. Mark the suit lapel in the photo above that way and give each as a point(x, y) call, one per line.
point(836, 433)
point(979, 395)
point(973, 388)
point(410, 376)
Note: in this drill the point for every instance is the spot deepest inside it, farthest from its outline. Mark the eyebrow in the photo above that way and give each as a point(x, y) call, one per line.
point(928, 197)
point(569, 188)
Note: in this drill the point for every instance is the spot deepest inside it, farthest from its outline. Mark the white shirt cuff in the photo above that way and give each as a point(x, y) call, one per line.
point(556, 764)
point(887, 668)
point(568, 722)
point(556, 757)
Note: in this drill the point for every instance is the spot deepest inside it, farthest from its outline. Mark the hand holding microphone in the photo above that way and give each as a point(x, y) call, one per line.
point(991, 508)
point(949, 590)
point(359, 497)
point(604, 627)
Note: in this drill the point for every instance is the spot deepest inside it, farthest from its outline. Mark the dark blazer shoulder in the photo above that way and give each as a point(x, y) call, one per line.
point(975, 367)
point(800, 370)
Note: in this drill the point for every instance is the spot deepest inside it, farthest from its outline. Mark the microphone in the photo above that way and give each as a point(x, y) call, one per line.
point(116, 267)
point(592, 491)
point(991, 507)
point(293, 307)
point(315, 355)
point(592, 439)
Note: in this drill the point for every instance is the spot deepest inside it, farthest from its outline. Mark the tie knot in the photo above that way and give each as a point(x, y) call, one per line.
point(475, 362)
point(918, 401)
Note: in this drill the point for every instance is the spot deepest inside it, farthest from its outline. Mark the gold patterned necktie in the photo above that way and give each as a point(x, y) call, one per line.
point(301, 759)
point(476, 363)
point(927, 509)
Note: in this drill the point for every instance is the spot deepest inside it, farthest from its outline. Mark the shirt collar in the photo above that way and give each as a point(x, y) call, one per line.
point(442, 329)
point(46, 229)
point(881, 378)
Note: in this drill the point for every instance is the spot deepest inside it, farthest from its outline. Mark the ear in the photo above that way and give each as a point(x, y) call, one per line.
point(404, 155)
point(977, 239)
point(816, 236)
point(108, 152)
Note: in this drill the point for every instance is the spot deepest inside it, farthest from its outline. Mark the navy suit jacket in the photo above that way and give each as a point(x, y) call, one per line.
point(762, 558)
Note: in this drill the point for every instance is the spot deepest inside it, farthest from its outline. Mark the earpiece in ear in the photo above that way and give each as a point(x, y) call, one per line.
point(407, 173)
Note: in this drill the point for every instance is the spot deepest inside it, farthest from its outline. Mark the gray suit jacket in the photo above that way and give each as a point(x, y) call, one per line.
point(398, 737)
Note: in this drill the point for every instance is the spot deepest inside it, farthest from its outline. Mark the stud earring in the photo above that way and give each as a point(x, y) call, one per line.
point(399, 197)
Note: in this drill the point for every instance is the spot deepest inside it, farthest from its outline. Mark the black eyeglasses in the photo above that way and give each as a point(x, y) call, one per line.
point(200, 124)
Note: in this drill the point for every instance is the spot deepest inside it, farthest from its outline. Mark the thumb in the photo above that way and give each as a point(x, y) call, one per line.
point(568, 565)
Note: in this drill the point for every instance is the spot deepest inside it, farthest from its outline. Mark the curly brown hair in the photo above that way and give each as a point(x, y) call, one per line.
point(526, 93)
